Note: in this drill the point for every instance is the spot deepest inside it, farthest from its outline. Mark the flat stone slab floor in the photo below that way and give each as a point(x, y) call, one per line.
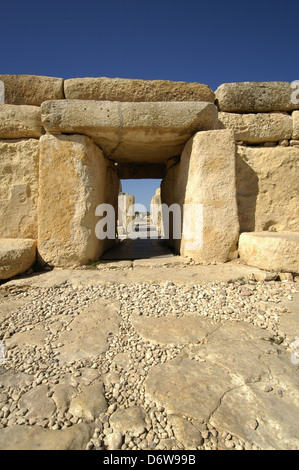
point(166, 355)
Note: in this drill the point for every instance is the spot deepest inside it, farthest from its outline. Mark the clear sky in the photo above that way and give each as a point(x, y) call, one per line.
point(210, 42)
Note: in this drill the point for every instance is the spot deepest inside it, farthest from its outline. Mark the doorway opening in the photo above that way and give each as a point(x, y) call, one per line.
point(139, 227)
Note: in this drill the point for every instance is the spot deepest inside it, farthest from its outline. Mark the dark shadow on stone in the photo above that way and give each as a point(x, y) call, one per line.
point(247, 191)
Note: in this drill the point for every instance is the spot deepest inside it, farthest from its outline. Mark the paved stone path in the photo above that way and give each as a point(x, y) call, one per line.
point(154, 354)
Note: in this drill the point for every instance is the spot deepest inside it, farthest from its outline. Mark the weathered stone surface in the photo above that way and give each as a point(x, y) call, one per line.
point(277, 417)
point(185, 432)
point(267, 188)
point(89, 332)
point(131, 132)
point(123, 89)
point(172, 330)
point(113, 441)
point(19, 162)
point(130, 420)
point(17, 122)
point(36, 438)
point(295, 116)
point(35, 338)
point(260, 127)
point(14, 379)
point(205, 177)
point(75, 170)
point(89, 403)
point(31, 89)
point(16, 256)
point(194, 393)
point(270, 250)
point(255, 97)
point(62, 396)
point(38, 403)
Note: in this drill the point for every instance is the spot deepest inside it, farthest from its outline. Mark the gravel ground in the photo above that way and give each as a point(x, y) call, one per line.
point(249, 301)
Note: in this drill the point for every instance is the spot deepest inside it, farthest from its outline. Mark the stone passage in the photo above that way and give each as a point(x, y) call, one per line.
point(65, 145)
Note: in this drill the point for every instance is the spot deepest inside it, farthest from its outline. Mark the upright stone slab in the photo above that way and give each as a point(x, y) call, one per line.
point(205, 178)
point(19, 163)
point(72, 184)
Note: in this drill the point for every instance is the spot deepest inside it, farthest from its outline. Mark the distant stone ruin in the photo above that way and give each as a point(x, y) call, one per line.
point(65, 145)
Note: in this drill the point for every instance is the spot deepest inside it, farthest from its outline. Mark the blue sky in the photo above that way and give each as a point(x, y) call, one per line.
point(210, 42)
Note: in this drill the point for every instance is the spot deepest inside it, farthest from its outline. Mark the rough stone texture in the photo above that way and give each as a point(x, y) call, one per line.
point(36, 438)
point(19, 163)
point(206, 176)
point(122, 89)
point(131, 132)
point(89, 332)
point(34, 338)
point(255, 97)
point(72, 184)
point(129, 420)
point(16, 256)
point(172, 330)
point(269, 250)
point(185, 432)
point(18, 122)
point(230, 390)
point(295, 116)
point(38, 403)
point(267, 188)
point(260, 127)
point(31, 89)
point(193, 394)
point(89, 403)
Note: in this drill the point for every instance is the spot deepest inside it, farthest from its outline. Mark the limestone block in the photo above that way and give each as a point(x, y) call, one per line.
point(16, 256)
point(206, 177)
point(19, 163)
point(267, 188)
point(17, 122)
point(295, 116)
point(255, 97)
point(134, 90)
point(260, 127)
point(72, 185)
point(31, 89)
point(270, 250)
point(131, 132)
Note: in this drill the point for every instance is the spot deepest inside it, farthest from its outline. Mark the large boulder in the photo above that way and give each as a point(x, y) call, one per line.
point(260, 127)
point(255, 97)
point(135, 90)
point(17, 122)
point(16, 256)
point(270, 250)
point(131, 132)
